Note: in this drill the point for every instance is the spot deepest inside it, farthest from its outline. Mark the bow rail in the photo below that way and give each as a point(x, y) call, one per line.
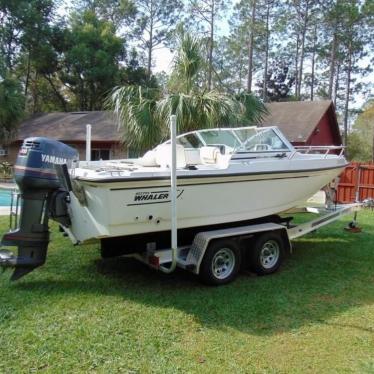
point(320, 149)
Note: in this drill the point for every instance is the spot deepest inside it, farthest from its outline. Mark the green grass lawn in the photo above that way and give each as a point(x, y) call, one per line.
point(79, 313)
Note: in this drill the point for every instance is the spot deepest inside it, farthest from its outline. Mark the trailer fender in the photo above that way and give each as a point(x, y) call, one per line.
point(202, 239)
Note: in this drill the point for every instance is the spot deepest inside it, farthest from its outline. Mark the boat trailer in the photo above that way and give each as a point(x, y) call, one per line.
point(264, 244)
point(216, 254)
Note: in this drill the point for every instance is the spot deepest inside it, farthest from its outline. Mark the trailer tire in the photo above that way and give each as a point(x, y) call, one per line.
point(221, 262)
point(267, 254)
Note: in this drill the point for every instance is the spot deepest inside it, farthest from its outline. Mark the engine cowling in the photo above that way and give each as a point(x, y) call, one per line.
point(35, 165)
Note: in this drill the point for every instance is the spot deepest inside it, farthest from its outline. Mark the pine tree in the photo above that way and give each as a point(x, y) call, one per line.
point(206, 13)
point(156, 20)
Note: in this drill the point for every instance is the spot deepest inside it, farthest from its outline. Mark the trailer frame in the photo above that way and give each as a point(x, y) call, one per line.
point(190, 257)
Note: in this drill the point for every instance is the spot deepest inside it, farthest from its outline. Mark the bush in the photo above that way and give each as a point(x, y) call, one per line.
point(6, 170)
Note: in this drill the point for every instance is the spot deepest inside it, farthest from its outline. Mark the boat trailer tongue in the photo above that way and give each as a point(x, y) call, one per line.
point(41, 175)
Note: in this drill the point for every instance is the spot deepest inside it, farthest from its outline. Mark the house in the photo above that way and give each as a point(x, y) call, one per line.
point(305, 122)
point(70, 128)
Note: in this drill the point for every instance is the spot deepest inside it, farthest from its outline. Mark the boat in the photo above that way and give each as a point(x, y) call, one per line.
point(225, 176)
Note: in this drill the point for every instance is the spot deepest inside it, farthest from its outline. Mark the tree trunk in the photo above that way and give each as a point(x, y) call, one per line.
point(82, 96)
point(211, 41)
point(264, 87)
point(35, 93)
point(332, 65)
point(336, 84)
point(240, 78)
point(92, 97)
point(313, 63)
point(347, 93)
point(27, 75)
point(302, 49)
point(58, 95)
point(250, 48)
point(8, 57)
point(297, 65)
point(150, 45)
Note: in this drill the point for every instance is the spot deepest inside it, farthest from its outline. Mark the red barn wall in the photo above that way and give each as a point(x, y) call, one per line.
point(325, 135)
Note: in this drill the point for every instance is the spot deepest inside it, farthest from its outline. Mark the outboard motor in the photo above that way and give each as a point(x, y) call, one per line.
point(37, 173)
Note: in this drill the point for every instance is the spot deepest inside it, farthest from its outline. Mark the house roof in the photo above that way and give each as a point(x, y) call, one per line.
point(71, 126)
point(298, 119)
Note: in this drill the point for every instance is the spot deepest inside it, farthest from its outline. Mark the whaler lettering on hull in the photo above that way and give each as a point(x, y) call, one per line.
point(155, 197)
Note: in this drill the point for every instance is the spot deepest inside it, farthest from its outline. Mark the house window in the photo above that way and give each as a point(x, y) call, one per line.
point(3, 151)
point(100, 154)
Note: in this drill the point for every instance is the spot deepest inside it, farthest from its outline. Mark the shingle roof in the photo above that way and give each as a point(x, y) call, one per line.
point(71, 126)
point(297, 119)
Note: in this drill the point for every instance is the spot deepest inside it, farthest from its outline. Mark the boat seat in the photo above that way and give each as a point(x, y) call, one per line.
point(209, 155)
point(163, 156)
point(192, 156)
point(158, 157)
point(221, 147)
point(149, 159)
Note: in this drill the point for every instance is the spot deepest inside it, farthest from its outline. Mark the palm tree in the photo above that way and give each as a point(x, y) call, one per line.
point(144, 113)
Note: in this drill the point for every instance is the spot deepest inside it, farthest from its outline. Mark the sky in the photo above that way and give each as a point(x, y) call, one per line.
point(163, 56)
point(163, 60)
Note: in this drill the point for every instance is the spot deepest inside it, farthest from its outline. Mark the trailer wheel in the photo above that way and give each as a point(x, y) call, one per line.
point(267, 254)
point(221, 262)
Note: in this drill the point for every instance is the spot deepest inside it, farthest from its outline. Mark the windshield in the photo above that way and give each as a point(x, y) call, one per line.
point(232, 140)
point(190, 141)
point(263, 140)
point(219, 137)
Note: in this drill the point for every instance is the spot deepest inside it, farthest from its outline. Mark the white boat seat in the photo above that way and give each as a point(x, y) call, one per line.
point(149, 159)
point(209, 155)
point(163, 156)
point(192, 156)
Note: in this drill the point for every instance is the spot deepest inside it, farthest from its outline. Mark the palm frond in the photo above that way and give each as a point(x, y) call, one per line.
point(200, 110)
point(187, 63)
point(134, 108)
point(144, 113)
point(253, 109)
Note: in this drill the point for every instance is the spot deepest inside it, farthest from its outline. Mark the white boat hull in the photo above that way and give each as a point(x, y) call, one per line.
point(133, 207)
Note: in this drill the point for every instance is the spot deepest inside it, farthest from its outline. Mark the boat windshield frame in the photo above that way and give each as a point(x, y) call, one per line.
point(197, 139)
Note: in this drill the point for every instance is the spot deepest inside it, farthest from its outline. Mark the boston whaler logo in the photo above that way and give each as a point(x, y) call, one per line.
point(54, 159)
point(153, 197)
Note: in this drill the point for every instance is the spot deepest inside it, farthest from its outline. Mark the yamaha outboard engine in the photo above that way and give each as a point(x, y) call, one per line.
point(40, 189)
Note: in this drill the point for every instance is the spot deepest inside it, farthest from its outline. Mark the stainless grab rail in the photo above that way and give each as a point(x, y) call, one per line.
point(323, 148)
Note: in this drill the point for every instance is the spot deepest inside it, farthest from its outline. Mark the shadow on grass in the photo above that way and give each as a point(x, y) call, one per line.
point(321, 280)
